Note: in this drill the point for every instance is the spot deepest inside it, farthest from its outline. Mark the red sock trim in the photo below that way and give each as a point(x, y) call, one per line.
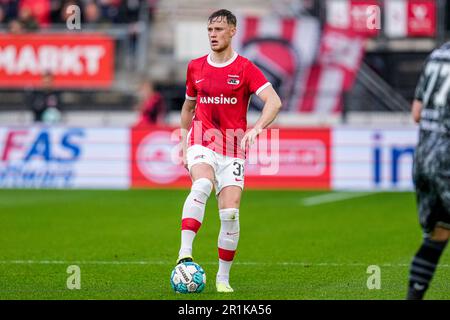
point(190, 224)
point(226, 255)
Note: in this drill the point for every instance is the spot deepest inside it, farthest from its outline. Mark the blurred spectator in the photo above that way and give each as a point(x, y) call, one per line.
point(129, 11)
point(152, 6)
point(297, 8)
point(9, 9)
point(151, 105)
point(16, 27)
point(447, 15)
point(2, 15)
point(92, 15)
point(312, 7)
point(45, 102)
point(378, 64)
point(38, 9)
point(110, 9)
point(63, 14)
point(27, 20)
point(91, 12)
point(35, 14)
point(55, 9)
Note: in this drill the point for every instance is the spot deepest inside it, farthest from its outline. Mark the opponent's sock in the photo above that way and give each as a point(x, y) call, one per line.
point(423, 268)
point(227, 242)
point(193, 212)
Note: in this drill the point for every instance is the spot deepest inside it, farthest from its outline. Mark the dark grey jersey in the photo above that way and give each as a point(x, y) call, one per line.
point(432, 156)
point(433, 90)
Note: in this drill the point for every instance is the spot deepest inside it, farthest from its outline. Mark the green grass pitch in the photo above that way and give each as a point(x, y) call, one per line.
point(126, 244)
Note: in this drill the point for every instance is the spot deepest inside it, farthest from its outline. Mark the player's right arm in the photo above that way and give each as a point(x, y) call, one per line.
point(187, 110)
point(187, 113)
point(417, 105)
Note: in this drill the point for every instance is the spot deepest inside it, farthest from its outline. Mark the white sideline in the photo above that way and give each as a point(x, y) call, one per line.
point(333, 197)
point(287, 263)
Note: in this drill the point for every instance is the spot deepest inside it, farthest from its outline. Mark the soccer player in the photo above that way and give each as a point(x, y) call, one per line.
point(431, 109)
point(218, 89)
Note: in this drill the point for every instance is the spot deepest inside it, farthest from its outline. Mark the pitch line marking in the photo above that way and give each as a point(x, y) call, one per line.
point(333, 197)
point(286, 263)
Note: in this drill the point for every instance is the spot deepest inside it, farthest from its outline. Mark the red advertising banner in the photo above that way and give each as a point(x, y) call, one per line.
point(410, 18)
point(75, 60)
point(152, 159)
point(364, 17)
point(421, 18)
point(303, 161)
point(359, 16)
point(293, 158)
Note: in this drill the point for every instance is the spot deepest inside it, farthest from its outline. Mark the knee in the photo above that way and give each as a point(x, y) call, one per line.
point(230, 214)
point(229, 233)
point(229, 228)
point(203, 186)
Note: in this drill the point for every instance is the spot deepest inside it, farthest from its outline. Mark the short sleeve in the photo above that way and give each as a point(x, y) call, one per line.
point(418, 95)
point(422, 83)
point(191, 92)
point(256, 80)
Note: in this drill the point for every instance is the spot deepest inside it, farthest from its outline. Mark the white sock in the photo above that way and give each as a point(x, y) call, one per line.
point(187, 238)
point(193, 212)
point(227, 242)
point(223, 275)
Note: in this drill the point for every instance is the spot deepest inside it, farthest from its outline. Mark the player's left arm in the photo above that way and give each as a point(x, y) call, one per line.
point(272, 106)
point(416, 110)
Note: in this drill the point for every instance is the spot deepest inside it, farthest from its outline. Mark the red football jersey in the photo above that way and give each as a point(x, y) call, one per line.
point(222, 93)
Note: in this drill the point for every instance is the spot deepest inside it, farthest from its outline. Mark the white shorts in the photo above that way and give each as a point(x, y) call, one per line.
point(228, 171)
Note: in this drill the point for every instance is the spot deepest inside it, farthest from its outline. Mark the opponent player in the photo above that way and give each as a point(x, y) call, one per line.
point(218, 89)
point(431, 109)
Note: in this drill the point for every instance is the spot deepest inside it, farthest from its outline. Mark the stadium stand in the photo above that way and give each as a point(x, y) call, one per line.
point(150, 40)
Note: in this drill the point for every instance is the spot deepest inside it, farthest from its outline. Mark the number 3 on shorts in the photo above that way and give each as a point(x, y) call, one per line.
point(239, 169)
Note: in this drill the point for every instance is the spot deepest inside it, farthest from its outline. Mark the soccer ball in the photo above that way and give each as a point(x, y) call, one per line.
point(188, 277)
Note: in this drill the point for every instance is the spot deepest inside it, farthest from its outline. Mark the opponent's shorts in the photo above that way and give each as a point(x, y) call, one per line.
point(228, 171)
point(433, 200)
